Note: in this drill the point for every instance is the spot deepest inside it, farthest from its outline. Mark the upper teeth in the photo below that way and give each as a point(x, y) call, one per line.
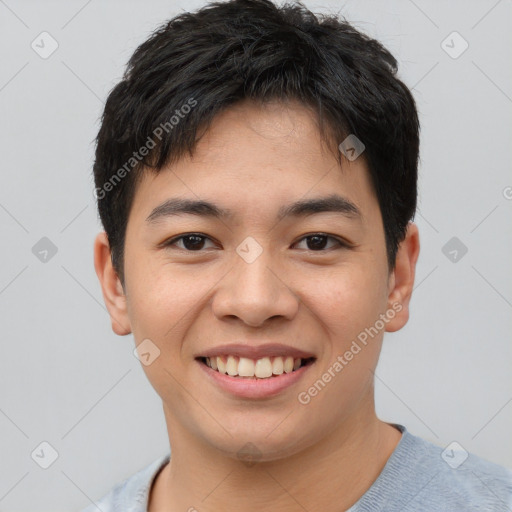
point(261, 368)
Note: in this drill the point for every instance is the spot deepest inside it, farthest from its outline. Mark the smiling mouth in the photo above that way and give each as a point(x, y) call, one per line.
point(263, 368)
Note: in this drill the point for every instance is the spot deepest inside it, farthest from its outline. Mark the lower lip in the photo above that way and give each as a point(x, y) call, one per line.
point(244, 387)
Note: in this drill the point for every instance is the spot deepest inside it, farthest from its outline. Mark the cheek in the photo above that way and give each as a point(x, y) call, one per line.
point(348, 300)
point(157, 299)
point(158, 308)
point(348, 306)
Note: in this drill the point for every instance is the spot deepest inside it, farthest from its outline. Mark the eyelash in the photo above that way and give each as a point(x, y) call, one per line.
point(341, 244)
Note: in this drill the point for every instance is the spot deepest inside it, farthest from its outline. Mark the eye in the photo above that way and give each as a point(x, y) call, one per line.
point(192, 242)
point(318, 241)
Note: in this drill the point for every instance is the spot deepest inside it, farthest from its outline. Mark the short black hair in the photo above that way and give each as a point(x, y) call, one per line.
point(198, 64)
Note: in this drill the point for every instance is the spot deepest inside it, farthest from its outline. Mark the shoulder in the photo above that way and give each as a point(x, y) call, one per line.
point(130, 495)
point(454, 479)
point(420, 476)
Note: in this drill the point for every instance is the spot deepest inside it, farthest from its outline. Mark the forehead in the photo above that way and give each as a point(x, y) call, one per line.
point(253, 156)
point(270, 132)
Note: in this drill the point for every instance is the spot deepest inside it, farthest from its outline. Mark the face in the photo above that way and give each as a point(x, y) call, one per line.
point(256, 286)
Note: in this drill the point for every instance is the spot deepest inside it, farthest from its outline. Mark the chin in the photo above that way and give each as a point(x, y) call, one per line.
point(263, 445)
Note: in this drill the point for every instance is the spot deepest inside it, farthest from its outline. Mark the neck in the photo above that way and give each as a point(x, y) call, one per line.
point(337, 470)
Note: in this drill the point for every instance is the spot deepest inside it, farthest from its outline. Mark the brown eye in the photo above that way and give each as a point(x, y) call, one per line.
point(192, 242)
point(317, 242)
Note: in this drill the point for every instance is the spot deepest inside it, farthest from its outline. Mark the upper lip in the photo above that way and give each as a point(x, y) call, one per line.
point(255, 352)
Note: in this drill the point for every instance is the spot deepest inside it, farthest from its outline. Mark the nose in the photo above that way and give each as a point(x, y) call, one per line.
point(255, 292)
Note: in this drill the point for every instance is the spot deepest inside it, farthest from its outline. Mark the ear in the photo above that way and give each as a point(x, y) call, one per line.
point(401, 280)
point(113, 293)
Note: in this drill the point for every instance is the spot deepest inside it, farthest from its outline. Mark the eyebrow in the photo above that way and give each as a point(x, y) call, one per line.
point(332, 203)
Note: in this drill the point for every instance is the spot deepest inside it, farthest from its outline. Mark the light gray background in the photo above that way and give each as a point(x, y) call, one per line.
point(67, 379)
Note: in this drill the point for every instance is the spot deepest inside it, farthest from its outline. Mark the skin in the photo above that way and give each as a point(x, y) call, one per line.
point(319, 456)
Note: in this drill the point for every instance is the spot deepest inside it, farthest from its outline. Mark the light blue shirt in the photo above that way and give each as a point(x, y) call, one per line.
point(418, 477)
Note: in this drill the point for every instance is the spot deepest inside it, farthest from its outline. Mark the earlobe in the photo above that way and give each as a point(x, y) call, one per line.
point(113, 293)
point(401, 280)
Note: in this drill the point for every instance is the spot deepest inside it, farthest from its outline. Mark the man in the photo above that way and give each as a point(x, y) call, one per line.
point(256, 176)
